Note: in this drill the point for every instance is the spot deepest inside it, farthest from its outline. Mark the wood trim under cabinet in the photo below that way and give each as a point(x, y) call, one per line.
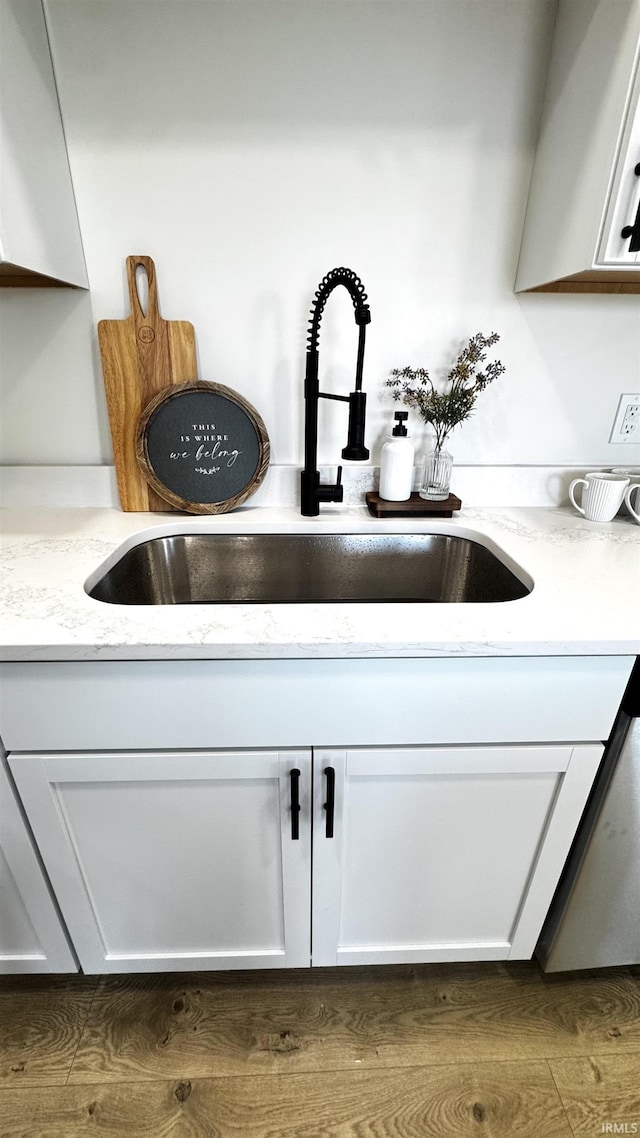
point(616, 281)
point(14, 276)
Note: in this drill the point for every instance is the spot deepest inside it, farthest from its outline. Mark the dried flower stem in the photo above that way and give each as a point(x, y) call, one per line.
point(443, 410)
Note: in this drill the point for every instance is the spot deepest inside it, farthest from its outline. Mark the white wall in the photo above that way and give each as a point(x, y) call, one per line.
point(249, 147)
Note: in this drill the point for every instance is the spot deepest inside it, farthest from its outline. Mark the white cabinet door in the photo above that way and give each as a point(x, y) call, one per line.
point(31, 935)
point(163, 862)
point(620, 245)
point(584, 190)
point(449, 853)
point(39, 231)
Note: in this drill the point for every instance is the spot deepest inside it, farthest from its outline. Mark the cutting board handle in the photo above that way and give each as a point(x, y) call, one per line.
point(152, 314)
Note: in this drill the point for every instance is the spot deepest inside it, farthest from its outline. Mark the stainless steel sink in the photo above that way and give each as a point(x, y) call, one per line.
point(279, 568)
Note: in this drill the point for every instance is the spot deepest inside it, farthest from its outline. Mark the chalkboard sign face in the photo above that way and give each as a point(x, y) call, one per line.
point(202, 447)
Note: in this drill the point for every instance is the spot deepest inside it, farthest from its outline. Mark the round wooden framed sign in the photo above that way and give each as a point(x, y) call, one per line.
point(202, 447)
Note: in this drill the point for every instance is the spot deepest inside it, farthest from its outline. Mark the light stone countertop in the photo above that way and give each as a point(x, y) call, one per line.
point(585, 600)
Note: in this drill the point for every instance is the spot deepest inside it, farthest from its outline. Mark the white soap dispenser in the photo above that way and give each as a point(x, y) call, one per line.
point(396, 465)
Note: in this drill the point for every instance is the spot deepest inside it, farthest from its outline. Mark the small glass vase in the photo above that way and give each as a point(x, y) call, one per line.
point(436, 479)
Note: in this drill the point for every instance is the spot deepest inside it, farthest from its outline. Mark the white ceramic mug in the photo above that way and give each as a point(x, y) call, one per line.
point(628, 494)
point(633, 474)
point(602, 495)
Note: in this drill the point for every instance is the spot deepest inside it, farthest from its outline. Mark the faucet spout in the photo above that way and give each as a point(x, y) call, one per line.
point(312, 490)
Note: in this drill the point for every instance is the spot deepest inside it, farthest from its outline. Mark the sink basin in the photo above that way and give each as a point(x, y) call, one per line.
point(279, 568)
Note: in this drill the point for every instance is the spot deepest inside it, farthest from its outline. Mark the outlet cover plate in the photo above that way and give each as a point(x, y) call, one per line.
point(626, 425)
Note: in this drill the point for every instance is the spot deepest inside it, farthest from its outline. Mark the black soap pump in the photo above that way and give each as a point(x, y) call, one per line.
point(396, 464)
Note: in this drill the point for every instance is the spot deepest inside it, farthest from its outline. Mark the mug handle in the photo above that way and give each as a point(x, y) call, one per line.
point(627, 497)
point(576, 482)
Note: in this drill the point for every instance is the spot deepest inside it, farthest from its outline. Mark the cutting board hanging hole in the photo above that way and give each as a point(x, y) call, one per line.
point(142, 288)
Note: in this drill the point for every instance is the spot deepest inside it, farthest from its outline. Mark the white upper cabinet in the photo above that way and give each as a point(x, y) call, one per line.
point(582, 227)
point(40, 239)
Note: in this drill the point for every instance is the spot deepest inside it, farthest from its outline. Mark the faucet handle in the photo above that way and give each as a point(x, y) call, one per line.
point(336, 492)
point(338, 489)
point(331, 492)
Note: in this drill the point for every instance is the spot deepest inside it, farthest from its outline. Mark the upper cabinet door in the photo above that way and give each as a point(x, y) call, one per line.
point(620, 244)
point(585, 191)
point(39, 233)
point(162, 862)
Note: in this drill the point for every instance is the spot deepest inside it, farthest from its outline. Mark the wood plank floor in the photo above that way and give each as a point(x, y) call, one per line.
point(471, 1051)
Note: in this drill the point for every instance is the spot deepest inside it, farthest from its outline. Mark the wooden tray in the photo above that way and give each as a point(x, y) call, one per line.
point(415, 506)
point(142, 355)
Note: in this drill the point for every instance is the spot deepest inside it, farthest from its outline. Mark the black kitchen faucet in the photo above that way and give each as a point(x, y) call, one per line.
point(312, 490)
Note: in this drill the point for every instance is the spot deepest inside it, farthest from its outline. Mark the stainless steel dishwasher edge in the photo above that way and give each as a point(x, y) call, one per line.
point(594, 919)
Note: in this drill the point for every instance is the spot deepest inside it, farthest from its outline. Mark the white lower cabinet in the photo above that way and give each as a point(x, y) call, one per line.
point(32, 938)
point(443, 853)
point(164, 862)
point(200, 860)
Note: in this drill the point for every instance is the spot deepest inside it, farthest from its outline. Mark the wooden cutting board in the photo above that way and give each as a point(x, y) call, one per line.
point(141, 356)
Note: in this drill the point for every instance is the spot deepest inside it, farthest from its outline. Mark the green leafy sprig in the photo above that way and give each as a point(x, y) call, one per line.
point(443, 410)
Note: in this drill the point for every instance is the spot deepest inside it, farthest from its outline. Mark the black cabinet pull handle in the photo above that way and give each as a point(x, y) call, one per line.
point(294, 775)
point(330, 804)
point(633, 231)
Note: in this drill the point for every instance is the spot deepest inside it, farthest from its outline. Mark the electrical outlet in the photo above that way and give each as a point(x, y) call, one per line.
point(626, 425)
